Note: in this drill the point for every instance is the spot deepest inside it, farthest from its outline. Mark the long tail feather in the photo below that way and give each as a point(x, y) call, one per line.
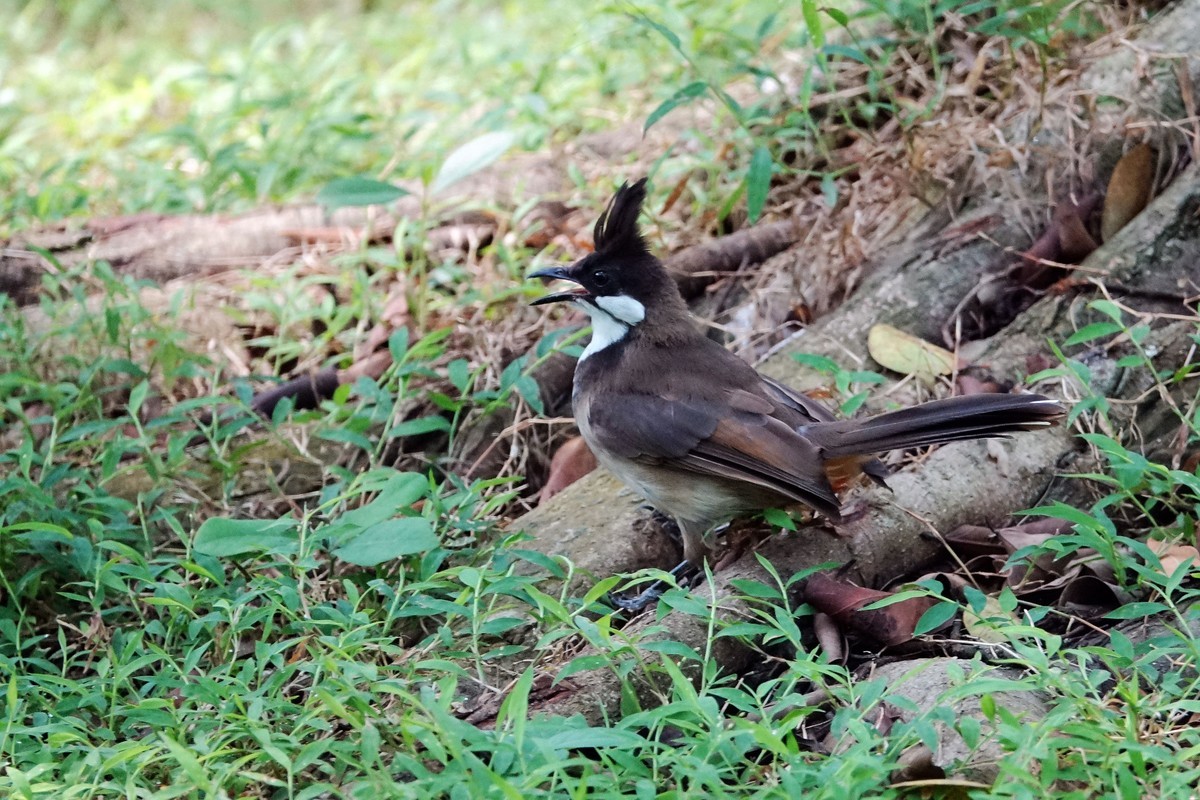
point(975, 417)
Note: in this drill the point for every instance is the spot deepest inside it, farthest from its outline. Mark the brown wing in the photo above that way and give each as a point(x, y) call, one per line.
point(840, 471)
point(738, 440)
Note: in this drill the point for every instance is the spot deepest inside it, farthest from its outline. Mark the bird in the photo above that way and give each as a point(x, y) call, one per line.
point(701, 434)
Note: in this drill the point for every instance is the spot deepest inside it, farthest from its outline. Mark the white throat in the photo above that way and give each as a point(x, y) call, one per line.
point(612, 318)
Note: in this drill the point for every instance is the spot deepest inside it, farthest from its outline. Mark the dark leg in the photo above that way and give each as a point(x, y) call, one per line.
point(682, 573)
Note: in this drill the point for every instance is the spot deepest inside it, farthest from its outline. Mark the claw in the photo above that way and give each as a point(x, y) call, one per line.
point(640, 601)
point(683, 573)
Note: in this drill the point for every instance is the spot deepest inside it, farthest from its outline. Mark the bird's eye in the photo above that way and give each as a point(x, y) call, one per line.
point(600, 278)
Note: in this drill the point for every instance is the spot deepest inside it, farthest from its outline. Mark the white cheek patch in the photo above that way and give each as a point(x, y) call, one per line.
point(623, 308)
point(612, 317)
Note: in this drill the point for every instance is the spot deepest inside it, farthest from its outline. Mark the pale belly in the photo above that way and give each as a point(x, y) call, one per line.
point(698, 502)
point(685, 495)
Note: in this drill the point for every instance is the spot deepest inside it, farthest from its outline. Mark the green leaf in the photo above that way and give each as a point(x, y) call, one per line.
point(1108, 308)
point(223, 537)
point(677, 650)
point(934, 618)
point(494, 626)
point(511, 373)
point(191, 765)
point(112, 324)
point(399, 491)
point(581, 664)
point(766, 26)
point(358, 191)
point(470, 577)
point(891, 600)
point(516, 702)
point(415, 427)
point(387, 540)
point(829, 190)
point(758, 181)
point(662, 30)
point(21, 529)
point(531, 393)
point(812, 21)
point(459, 373)
point(750, 630)
point(1122, 645)
point(847, 52)
point(398, 344)
point(1130, 361)
point(347, 436)
point(987, 707)
point(819, 363)
point(1094, 331)
point(837, 16)
point(136, 397)
point(470, 158)
point(576, 738)
point(853, 404)
point(779, 518)
point(755, 588)
point(970, 730)
point(681, 97)
point(1136, 610)
point(1059, 510)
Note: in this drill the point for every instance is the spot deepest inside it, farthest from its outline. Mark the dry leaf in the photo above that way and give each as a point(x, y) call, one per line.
point(1172, 554)
point(1001, 159)
point(1128, 190)
point(1074, 242)
point(969, 385)
point(904, 353)
point(570, 463)
point(1090, 596)
point(829, 637)
point(842, 600)
point(983, 625)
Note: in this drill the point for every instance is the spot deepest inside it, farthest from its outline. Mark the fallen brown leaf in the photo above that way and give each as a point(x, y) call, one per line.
point(1173, 554)
point(843, 601)
point(969, 385)
point(1129, 190)
point(1074, 242)
point(571, 462)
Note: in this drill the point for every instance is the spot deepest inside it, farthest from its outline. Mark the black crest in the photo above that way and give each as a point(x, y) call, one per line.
point(616, 231)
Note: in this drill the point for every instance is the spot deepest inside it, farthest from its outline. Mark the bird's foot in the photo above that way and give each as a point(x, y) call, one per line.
point(683, 574)
point(639, 601)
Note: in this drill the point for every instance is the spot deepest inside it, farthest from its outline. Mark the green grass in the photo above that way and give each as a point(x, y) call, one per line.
point(179, 621)
point(174, 109)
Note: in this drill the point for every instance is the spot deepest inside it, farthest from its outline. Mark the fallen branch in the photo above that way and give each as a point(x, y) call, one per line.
point(699, 265)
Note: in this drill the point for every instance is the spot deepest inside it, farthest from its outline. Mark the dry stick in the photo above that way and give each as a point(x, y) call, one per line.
point(692, 265)
point(1188, 95)
point(307, 391)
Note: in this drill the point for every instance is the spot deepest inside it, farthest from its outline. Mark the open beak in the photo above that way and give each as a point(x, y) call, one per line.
point(561, 274)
